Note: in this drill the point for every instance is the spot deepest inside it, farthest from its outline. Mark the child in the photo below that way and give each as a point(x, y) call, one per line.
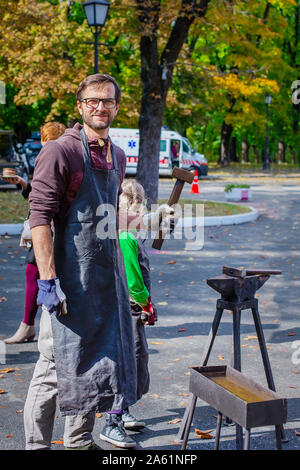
point(143, 312)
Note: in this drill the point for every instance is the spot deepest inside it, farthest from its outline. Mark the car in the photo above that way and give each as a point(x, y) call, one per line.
point(12, 156)
point(32, 148)
point(197, 161)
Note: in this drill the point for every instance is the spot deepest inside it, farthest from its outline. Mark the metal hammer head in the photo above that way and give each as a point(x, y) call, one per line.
point(183, 175)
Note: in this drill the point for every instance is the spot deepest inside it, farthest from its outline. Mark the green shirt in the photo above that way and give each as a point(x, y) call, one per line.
point(137, 289)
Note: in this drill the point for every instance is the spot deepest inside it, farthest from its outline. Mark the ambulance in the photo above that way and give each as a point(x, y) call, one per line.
point(175, 150)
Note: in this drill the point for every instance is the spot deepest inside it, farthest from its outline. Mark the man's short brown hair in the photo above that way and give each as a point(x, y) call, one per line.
point(98, 79)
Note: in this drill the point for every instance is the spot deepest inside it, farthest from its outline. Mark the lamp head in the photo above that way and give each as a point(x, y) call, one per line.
point(96, 11)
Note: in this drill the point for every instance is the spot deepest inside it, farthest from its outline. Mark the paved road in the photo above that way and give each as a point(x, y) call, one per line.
point(186, 308)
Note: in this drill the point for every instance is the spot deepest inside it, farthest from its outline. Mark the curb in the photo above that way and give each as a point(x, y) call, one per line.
point(219, 220)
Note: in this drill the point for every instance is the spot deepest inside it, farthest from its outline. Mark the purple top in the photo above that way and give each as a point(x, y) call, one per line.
point(58, 174)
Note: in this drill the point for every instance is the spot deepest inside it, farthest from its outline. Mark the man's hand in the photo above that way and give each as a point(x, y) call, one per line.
point(51, 296)
point(164, 217)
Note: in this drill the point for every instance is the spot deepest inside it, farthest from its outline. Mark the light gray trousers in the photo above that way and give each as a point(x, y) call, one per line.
point(40, 405)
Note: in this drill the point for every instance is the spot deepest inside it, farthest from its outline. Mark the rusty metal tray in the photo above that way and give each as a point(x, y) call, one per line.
point(238, 397)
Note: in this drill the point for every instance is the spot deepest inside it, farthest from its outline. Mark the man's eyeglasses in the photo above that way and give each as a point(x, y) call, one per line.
point(93, 103)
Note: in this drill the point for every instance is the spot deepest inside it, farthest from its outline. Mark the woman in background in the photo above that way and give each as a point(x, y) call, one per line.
point(26, 331)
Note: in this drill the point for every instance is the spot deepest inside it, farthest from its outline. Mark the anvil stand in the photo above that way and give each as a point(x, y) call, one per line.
point(237, 295)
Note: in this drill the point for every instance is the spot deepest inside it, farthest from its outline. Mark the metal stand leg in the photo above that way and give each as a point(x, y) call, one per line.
point(189, 422)
point(181, 431)
point(265, 358)
point(278, 433)
point(236, 363)
point(218, 430)
point(247, 439)
point(211, 336)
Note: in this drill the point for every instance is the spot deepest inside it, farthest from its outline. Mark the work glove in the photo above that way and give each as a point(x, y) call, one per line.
point(164, 218)
point(149, 314)
point(51, 296)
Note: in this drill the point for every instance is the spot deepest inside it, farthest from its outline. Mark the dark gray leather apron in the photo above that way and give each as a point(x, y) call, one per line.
point(93, 343)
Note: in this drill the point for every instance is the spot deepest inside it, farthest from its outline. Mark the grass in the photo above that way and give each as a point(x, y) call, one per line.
point(13, 207)
point(211, 208)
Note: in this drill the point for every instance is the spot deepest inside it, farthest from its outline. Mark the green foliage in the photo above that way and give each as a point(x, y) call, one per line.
point(230, 186)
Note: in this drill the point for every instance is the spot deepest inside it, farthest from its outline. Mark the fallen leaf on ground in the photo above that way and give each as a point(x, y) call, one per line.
point(174, 443)
point(171, 262)
point(162, 303)
point(203, 434)
point(2, 391)
point(154, 342)
point(250, 337)
point(7, 370)
point(59, 442)
point(181, 329)
point(297, 433)
point(174, 421)
point(9, 435)
point(98, 415)
point(155, 395)
point(184, 394)
point(19, 411)
point(295, 372)
point(3, 299)
point(221, 357)
point(292, 333)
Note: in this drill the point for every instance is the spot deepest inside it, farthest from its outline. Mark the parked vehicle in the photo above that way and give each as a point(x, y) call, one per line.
point(175, 150)
point(12, 156)
point(32, 148)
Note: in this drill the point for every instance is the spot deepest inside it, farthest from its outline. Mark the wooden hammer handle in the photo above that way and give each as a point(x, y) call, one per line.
point(173, 199)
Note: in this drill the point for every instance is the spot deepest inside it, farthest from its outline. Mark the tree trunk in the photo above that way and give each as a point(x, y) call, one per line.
point(256, 154)
point(224, 152)
point(281, 152)
point(233, 154)
point(156, 78)
point(293, 154)
point(245, 150)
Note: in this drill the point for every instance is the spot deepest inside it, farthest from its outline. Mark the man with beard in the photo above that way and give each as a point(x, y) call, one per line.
point(87, 356)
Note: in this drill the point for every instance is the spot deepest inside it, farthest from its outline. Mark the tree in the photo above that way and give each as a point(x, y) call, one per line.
point(157, 65)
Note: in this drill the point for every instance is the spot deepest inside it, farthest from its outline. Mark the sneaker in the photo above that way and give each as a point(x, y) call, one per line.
point(90, 446)
point(114, 432)
point(130, 422)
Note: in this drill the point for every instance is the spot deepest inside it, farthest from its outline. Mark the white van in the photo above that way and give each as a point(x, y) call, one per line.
point(175, 150)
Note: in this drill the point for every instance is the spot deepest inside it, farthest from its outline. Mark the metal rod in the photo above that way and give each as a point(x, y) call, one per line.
point(218, 430)
point(189, 422)
point(211, 336)
point(247, 439)
point(96, 50)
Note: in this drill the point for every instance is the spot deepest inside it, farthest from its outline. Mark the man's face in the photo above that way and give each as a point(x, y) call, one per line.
point(102, 116)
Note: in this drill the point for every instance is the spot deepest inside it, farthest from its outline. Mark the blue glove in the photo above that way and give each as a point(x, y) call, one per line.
point(47, 295)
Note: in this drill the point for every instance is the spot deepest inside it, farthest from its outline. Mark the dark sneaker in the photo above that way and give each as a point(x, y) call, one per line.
point(130, 422)
point(114, 432)
point(90, 446)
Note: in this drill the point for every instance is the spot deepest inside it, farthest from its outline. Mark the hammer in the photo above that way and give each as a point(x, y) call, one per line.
point(182, 176)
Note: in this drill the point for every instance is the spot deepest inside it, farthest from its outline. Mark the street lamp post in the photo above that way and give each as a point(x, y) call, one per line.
point(96, 13)
point(266, 162)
